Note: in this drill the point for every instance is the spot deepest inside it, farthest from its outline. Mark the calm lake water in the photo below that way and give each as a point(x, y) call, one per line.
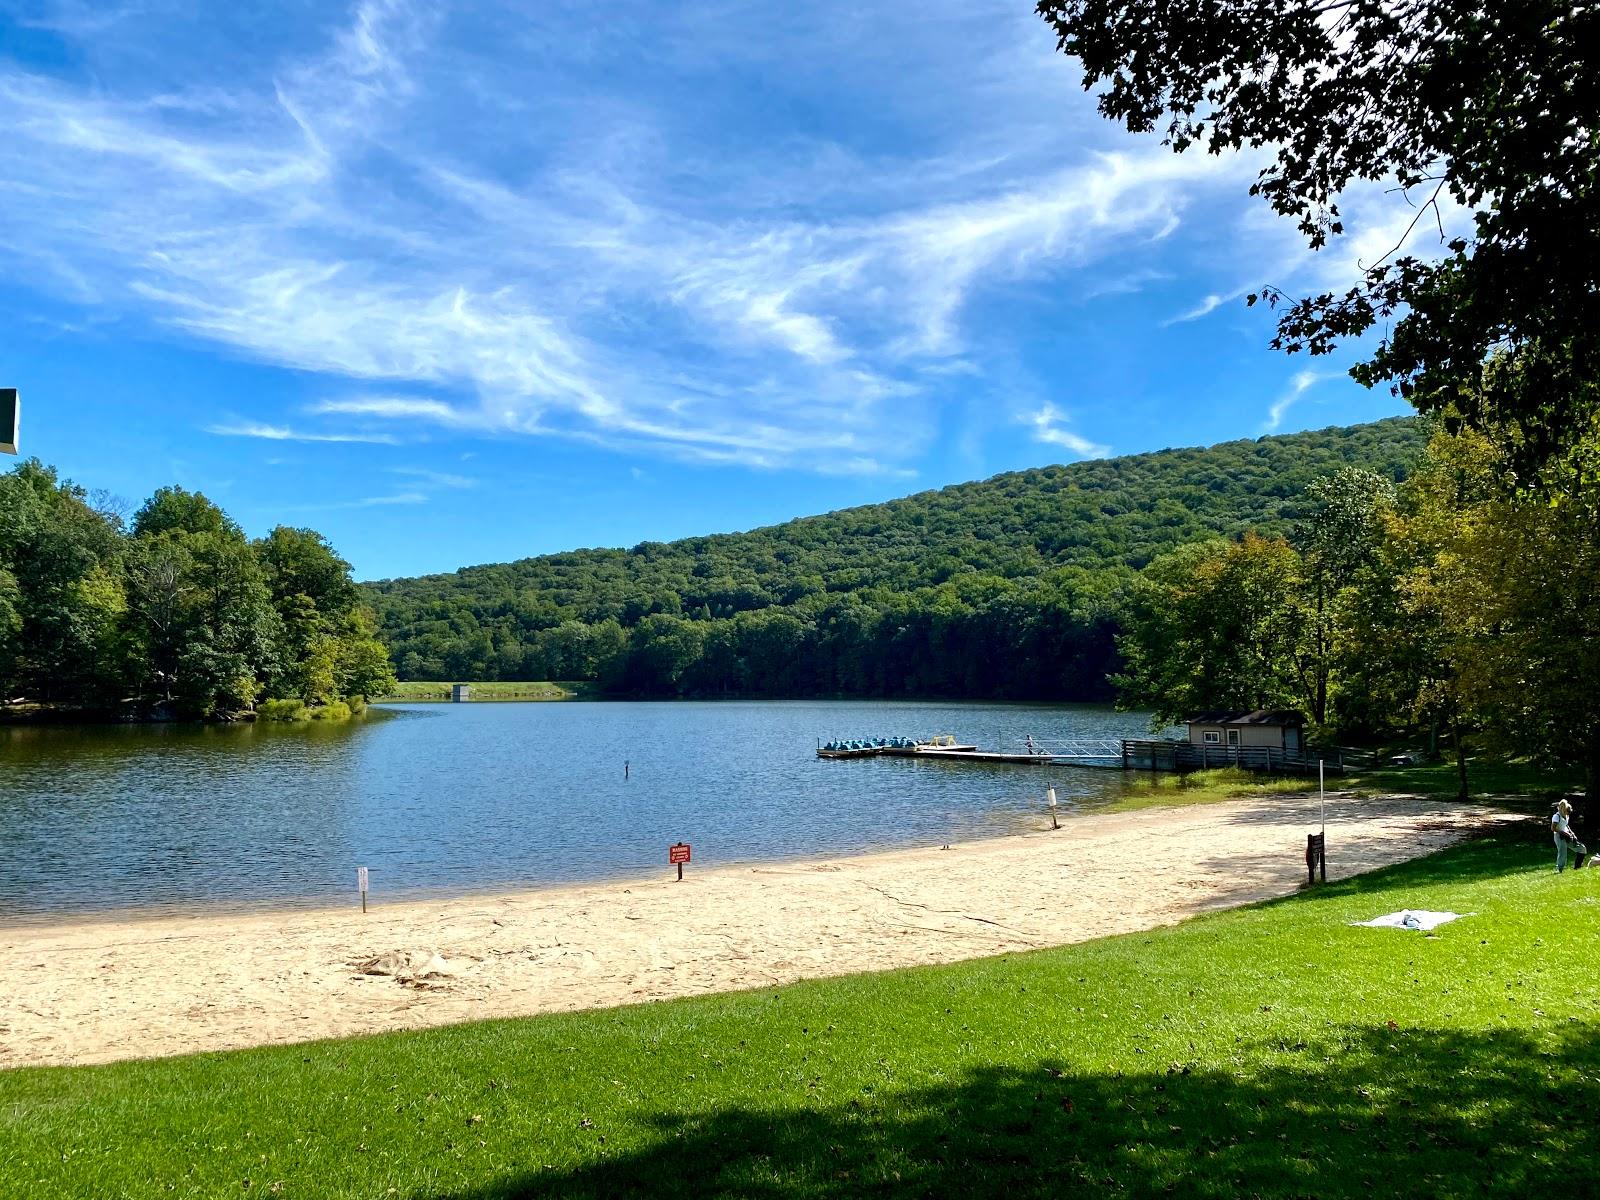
point(441, 799)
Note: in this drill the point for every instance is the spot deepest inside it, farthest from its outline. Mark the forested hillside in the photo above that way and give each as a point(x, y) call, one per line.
point(1009, 587)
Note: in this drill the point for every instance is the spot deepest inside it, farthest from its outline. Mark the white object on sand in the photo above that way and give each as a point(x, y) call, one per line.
point(1408, 918)
point(407, 966)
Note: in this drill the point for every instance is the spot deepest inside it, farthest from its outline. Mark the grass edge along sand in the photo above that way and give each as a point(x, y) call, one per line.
point(1517, 785)
point(1272, 1050)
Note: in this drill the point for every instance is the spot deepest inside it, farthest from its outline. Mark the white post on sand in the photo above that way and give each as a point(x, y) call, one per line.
point(361, 882)
point(1322, 796)
point(1050, 798)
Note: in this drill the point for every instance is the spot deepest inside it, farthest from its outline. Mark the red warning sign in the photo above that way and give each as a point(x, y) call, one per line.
point(678, 853)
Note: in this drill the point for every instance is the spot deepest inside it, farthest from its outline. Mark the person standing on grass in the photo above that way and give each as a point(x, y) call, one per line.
point(1561, 829)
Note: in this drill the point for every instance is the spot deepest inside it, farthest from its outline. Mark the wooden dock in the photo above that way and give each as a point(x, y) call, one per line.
point(1077, 754)
point(1126, 754)
point(963, 754)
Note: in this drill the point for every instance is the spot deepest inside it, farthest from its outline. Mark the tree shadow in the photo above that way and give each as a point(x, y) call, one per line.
point(1343, 810)
point(1361, 1111)
point(1486, 851)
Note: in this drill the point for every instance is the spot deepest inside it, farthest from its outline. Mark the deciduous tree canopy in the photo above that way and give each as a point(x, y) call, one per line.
point(181, 612)
point(1495, 105)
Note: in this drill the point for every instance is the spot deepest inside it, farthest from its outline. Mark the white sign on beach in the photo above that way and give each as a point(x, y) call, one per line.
point(361, 878)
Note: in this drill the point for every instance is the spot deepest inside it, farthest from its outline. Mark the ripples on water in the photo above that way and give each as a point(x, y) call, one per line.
point(457, 798)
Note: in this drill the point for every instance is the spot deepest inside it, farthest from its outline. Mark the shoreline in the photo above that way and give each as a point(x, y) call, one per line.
point(290, 907)
point(111, 988)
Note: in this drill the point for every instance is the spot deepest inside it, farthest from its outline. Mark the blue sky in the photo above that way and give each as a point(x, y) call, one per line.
point(463, 283)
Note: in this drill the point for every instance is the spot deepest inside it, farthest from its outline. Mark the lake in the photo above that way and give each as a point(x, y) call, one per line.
point(442, 799)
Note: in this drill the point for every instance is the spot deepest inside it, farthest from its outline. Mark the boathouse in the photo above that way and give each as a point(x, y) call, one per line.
point(1279, 729)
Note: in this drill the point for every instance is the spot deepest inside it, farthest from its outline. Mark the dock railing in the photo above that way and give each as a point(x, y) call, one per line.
point(1173, 755)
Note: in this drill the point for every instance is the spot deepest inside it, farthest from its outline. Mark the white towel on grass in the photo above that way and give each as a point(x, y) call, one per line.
point(1411, 918)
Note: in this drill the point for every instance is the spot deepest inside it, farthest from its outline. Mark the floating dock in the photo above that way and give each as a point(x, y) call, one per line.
point(893, 748)
point(973, 754)
point(1124, 754)
point(947, 749)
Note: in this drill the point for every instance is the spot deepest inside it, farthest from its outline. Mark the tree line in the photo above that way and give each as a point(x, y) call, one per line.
point(175, 611)
point(1458, 606)
point(1005, 588)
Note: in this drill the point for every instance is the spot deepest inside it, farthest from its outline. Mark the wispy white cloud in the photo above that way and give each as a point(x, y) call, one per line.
point(283, 433)
point(1302, 382)
point(77, 19)
point(1127, 284)
point(396, 498)
point(1205, 308)
point(772, 314)
point(1262, 249)
point(1049, 427)
point(385, 500)
point(445, 479)
point(400, 408)
point(480, 217)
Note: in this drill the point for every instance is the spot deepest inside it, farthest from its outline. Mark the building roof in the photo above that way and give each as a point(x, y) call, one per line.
point(1262, 716)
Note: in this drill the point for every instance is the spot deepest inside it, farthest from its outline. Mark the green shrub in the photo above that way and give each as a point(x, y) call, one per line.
point(338, 710)
point(358, 705)
point(282, 710)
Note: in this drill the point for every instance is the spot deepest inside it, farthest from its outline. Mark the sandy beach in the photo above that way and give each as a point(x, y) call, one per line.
point(106, 989)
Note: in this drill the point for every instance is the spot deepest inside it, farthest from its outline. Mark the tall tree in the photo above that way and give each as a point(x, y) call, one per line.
point(300, 562)
point(173, 509)
point(1409, 628)
point(60, 591)
point(1519, 585)
point(1215, 625)
point(1339, 536)
point(331, 649)
point(1495, 105)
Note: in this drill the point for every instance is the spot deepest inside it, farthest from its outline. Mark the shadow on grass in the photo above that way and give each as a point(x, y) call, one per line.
point(1364, 1111)
point(1491, 852)
point(1490, 848)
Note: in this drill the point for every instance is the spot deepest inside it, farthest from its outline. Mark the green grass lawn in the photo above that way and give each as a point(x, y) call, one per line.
point(1272, 1051)
point(1521, 784)
point(1517, 785)
point(1168, 788)
point(414, 690)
